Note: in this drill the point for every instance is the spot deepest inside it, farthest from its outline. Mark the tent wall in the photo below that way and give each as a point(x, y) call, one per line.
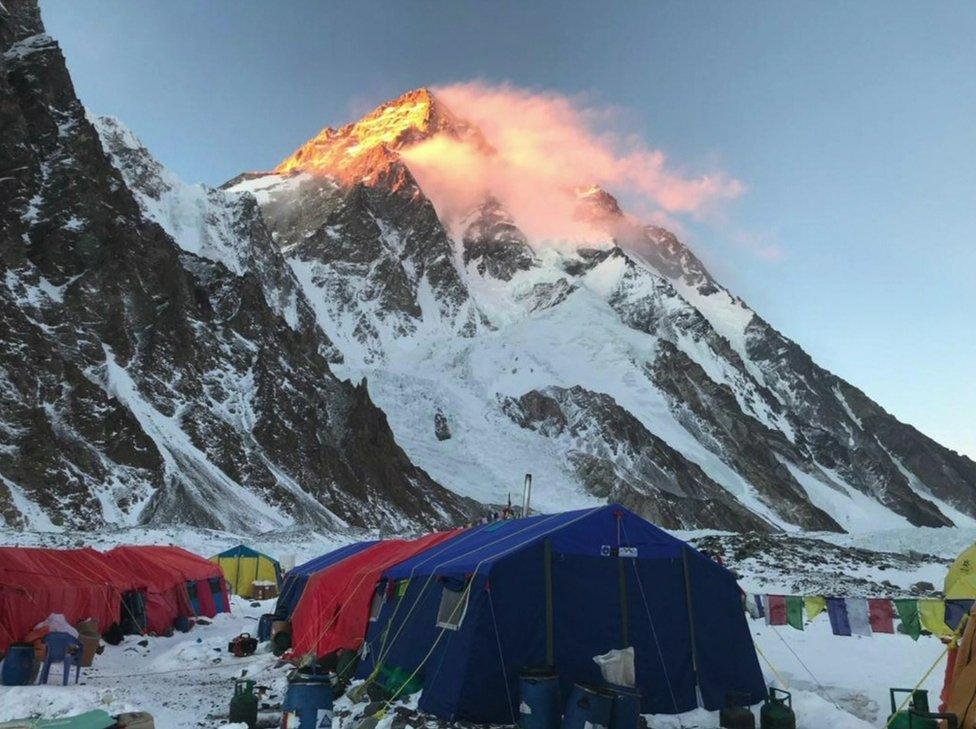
point(242, 567)
point(295, 581)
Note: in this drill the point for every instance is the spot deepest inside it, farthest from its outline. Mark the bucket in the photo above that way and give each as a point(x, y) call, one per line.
point(307, 704)
point(589, 707)
point(625, 713)
point(18, 665)
point(264, 627)
point(540, 705)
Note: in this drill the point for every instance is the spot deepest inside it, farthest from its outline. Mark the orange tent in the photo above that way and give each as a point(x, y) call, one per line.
point(334, 609)
point(962, 691)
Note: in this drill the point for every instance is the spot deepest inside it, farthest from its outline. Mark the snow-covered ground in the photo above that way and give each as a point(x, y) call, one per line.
point(187, 680)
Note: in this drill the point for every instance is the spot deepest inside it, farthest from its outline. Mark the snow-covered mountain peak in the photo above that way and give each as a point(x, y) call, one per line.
point(374, 140)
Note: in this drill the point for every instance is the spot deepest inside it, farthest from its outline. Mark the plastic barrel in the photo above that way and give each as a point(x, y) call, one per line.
point(18, 665)
point(625, 713)
point(309, 703)
point(588, 707)
point(264, 627)
point(539, 700)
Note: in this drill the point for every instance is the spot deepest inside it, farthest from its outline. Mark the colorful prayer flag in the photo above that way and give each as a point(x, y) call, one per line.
point(814, 606)
point(931, 612)
point(794, 611)
point(775, 610)
point(955, 610)
point(857, 616)
point(837, 611)
point(908, 615)
point(882, 614)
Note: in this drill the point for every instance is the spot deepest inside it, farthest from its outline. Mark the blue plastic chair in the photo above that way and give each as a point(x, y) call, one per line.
point(59, 650)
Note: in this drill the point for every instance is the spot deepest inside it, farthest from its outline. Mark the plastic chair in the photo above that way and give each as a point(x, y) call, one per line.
point(61, 648)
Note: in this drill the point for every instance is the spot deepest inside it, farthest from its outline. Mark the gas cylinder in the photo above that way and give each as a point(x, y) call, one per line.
point(736, 714)
point(244, 704)
point(777, 712)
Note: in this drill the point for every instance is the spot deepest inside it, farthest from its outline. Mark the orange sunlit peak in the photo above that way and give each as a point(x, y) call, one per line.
point(408, 119)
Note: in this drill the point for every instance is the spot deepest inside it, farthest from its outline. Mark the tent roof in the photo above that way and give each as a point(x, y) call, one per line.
point(242, 551)
point(33, 567)
point(585, 531)
point(330, 558)
point(163, 566)
point(960, 581)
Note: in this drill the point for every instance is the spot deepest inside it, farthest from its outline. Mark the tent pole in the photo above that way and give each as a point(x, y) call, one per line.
point(624, 617)
point(691, 626)
point(550, 648)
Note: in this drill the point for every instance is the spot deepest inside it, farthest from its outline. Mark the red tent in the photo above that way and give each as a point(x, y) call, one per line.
point(334, 608)
point(176, 582)
point(36, 582)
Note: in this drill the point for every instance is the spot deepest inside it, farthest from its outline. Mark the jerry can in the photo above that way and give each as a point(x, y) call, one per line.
point(736, 714)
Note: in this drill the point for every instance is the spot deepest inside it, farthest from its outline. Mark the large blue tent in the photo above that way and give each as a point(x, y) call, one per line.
point(297, 577)
point(467, 616)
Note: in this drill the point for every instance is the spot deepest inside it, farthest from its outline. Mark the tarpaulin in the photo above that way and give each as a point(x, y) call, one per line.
point(775, 610)
point(814, 605)
point(334, 608)
point(794, 611)
point(178, 583)
point(620, 581)
point(837, 611)
point(882, 614)
point(36, 582)
point(908, 615)
point(858, 617)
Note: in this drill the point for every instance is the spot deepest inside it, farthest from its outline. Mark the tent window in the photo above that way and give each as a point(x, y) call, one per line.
point(454, 604)
point(376, 604)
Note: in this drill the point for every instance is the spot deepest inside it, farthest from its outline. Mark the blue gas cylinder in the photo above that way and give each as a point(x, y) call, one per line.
point(264, 627)
point(18, 665)
point(625, 713)
point(588, 705)
point(307, 704)
point(539, 699)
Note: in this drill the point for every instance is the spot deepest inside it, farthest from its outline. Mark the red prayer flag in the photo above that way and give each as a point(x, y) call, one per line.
point(776, 609)
point(882, 615)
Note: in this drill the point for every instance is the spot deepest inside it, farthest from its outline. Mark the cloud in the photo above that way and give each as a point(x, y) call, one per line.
point(548, 145)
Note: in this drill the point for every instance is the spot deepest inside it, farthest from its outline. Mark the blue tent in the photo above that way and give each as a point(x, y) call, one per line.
point(467, 616)
point(297, 577)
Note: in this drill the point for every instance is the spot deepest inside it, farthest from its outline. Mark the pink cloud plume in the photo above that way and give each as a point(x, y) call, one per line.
point(548, 145)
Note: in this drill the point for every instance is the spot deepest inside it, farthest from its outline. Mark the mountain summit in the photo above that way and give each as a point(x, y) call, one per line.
point(411, 118)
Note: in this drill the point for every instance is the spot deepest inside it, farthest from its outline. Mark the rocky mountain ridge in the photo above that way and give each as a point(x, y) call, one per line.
point(160, 361)
point(627, 330)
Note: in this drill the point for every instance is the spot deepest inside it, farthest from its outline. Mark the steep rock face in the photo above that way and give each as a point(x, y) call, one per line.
point(495, 244)
point(618, 459)
point(155, 381)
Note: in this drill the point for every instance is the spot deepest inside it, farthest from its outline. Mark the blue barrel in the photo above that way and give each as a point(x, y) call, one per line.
point(309, 702)
point(264, 627)
point(540, 705)
point(589, 707)
point(625, 713)
point(18, 665)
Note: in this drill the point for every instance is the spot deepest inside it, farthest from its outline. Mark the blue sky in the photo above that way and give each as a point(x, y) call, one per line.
point(851, 125)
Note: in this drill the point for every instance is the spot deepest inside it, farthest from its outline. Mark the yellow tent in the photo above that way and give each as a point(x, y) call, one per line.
point(244, 566)
point(960, 583)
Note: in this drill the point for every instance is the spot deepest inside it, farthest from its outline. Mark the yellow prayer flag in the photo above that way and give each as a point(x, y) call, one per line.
point(931, 613)
point(814, 605)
